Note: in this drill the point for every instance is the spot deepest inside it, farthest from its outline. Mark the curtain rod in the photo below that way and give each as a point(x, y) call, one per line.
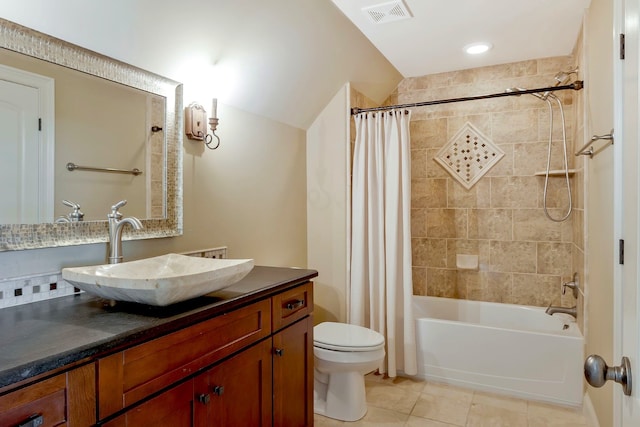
point(577, 85)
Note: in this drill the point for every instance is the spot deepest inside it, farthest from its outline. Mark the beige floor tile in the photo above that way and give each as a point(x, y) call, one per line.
point(554, 412)
point(430, 404)
point(391, 397)
point(499, 401)
point(424, 422)
point(413, 384)
point(442, 408)
point(320, 421)
point(481, 415)
point(450, 391)
point(547, 415)
point(548, 422)
point(379, 417)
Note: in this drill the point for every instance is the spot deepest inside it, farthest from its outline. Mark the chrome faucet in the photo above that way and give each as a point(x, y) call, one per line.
point(574, 285)
point(75, 216)
point(116, 222)
point(573, 311)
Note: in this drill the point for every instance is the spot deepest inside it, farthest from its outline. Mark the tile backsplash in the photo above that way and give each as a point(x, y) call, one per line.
point(32, 288)
point(42, 286)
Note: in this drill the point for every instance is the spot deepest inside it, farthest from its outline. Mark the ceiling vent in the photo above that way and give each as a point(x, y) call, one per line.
point(387, 12)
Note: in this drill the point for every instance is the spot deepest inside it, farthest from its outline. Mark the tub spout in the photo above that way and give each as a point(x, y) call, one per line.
point(573, 311)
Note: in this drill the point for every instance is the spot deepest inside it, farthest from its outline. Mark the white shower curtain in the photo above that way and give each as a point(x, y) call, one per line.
point(380, 275)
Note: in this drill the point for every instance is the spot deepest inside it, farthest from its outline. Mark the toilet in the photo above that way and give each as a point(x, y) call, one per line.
point(343, 354)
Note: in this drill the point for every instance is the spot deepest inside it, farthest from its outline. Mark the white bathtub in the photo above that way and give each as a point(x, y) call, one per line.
point(501, 348)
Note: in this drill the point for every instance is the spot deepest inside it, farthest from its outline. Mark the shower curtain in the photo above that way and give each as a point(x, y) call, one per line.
point(381, 286)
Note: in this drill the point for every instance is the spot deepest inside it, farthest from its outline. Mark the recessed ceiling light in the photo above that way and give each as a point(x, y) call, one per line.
point(477, 48)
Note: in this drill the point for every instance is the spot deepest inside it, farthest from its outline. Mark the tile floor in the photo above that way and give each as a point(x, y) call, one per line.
point(404, 402)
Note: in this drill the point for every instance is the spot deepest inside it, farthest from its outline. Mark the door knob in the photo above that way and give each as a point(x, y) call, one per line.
point(597, 373)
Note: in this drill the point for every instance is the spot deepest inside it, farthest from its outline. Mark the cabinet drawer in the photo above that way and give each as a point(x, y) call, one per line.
point(130, 375)
point(46, 399)
point(292, 305)
point(64, 400)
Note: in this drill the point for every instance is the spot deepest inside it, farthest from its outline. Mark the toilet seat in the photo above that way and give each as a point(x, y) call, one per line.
point(344, 337)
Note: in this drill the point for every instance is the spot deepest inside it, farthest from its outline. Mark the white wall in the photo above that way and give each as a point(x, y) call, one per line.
point(249, 195)
point(282, 62)
point(328, 152)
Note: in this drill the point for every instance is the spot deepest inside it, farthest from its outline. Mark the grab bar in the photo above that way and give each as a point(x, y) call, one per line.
point(72, 167)
point(587, 149)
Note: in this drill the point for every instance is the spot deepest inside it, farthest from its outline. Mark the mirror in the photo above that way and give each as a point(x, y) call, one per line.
point(117, 116)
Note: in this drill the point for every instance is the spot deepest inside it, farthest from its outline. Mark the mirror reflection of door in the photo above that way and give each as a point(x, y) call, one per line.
point(26, 162)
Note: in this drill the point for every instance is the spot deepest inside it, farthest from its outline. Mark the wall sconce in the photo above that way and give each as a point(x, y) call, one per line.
point(195, 118)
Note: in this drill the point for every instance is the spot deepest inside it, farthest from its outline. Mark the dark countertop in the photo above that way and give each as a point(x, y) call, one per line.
point(49, 335)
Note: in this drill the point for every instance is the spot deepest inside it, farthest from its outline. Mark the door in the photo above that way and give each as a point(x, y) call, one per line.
point(27, 141)
point(627, 185)
point(19, 163)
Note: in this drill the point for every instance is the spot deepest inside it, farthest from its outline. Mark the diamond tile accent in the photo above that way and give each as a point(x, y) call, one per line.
point(469, 155)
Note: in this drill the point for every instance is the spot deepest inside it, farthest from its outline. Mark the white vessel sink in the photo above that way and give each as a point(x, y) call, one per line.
point(160, 280)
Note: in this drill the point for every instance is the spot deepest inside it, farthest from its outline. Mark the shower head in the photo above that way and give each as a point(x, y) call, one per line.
point(563, 77)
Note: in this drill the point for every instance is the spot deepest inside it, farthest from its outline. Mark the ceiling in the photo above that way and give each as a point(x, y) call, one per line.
point(431, 40)
point(280, 59)
point(286, 59)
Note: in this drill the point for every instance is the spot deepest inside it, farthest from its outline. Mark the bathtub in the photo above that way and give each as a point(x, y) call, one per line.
point(503, 348)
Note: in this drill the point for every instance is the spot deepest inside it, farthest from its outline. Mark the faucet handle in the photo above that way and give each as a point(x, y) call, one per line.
point(77, 214)
point(114, 209)
point(574, 285)
point(71, 204)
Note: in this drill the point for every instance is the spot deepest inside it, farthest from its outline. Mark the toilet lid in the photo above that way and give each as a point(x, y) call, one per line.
point(345, 337)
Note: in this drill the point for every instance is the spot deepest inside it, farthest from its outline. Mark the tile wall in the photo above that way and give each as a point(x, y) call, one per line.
point(523, 256)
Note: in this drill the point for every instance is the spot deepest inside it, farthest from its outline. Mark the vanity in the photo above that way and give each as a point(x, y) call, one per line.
point(241, 356)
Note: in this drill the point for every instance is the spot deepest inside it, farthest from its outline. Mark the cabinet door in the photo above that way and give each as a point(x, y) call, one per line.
point(293, 375)
point(236, 392)
point(173, 408)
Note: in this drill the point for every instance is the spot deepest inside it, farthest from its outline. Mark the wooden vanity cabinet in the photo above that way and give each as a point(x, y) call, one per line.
point(255, 369)
point(67, 399)
point(251, 366)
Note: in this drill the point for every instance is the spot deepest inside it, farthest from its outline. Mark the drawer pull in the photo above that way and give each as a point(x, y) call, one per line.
point(295, 304)
point(33, 421)
point(204, 398)
point(218, 390)
point(279, 351)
